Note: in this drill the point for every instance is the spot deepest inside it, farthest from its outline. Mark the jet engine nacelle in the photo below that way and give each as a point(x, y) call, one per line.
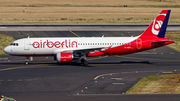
point(64, 57)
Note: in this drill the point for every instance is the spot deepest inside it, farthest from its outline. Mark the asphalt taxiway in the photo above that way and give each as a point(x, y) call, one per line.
point(106, 78)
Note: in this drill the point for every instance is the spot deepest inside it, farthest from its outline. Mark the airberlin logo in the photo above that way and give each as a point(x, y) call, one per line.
point(157, 24)
point(56, 44)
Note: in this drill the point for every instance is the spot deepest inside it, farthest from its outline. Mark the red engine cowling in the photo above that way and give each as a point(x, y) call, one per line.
point(64, 57)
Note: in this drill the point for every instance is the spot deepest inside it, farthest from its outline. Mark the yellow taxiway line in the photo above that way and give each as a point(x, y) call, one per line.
point(73, 33)
point(98, 58)
point(21, 67)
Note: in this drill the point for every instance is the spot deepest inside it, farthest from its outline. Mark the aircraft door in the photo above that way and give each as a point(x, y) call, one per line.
point(139, 43)
point(26, 45)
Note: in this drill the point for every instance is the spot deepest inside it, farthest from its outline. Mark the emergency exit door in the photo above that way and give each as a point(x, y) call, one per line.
point(26, 45)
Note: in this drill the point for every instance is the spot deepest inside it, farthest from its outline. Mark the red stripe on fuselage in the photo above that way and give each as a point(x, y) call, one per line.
point(133, 47)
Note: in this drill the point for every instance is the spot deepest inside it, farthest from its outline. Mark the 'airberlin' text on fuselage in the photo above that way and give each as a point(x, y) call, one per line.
point(56, 44)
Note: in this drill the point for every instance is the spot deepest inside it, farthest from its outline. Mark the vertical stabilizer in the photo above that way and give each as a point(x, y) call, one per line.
point(158, 27)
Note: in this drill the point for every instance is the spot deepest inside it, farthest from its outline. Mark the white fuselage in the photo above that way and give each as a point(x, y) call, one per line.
point(49, 45)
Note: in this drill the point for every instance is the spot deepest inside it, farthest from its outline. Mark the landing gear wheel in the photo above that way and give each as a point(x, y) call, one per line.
point(84, 62)
point(26, 63)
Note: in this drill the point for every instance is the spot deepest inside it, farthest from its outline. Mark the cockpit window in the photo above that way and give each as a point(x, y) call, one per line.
point(14, 44)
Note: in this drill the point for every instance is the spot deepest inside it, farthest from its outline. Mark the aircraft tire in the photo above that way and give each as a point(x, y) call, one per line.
point(26, 63)
point(85, 63)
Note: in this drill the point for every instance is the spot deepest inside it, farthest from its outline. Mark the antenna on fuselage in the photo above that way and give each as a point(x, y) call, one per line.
point(103, 36)
point(28, 36)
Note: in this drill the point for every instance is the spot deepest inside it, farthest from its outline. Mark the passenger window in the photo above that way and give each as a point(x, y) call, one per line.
point(16, 44)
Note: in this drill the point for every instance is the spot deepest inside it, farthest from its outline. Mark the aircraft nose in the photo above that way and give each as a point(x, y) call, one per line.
point(6, 50)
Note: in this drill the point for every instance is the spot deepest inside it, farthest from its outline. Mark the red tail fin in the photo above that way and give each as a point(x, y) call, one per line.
point(158, 27)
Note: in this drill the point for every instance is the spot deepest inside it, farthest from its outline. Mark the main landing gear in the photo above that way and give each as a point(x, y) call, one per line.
point(28, 59)
point(84, 62)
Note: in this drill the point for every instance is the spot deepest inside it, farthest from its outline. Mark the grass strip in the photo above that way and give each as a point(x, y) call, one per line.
point(176, 36)
point(158, 84)
point(5, 40)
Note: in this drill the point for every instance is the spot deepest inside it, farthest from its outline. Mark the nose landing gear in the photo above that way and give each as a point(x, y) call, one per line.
point(26, 63)
point(28, 59)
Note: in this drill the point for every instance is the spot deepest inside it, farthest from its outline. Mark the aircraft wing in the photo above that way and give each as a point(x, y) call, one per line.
point(80, 50)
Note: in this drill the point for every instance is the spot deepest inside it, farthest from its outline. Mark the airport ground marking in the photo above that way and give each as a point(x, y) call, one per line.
point(96, 94)
point(116, 78)
point(28, 79)
point(159, 71)
point(125, 73)
point(144, 58)
point(146, 53)
point(104, 75)
point(9, 80)
point(73, 33)
point(19, 79)
point(16, 80)
point(167, 72)
point(117, 64)
point(118, 83)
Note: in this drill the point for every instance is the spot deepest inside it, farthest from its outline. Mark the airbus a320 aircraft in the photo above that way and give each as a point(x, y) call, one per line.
point(67, 49)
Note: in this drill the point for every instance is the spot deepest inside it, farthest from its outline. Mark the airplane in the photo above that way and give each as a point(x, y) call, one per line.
point(69, 49)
